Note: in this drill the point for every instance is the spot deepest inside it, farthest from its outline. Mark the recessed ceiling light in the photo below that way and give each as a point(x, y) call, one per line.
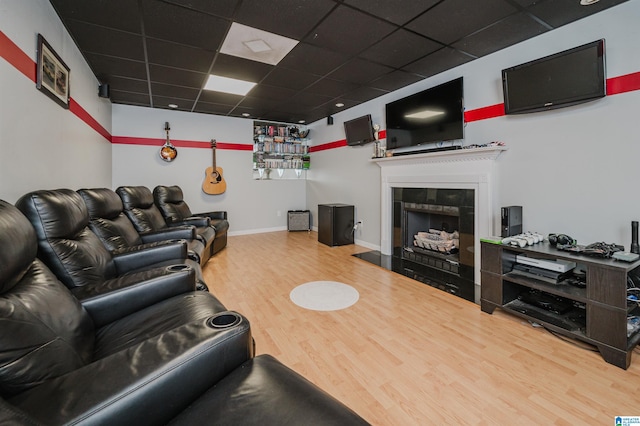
point(172, 106)
point(217, 83)
point(246, 114)
point(339, 104)
point(301, 121)
point(257, 45)
point(588, 2)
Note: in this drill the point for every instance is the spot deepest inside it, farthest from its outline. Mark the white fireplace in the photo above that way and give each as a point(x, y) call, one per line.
point(472, 168)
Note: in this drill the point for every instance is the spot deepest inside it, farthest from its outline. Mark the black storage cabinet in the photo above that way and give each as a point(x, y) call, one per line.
point(335, 224)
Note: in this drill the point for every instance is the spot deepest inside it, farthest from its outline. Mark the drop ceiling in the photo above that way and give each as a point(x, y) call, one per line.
point(154, 53)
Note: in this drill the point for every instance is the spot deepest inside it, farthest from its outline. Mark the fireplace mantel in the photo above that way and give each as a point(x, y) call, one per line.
point(472, 168)
point(470, 154)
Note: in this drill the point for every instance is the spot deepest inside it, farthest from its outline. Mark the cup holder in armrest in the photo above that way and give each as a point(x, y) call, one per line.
point(224, 320)
point(178, 267)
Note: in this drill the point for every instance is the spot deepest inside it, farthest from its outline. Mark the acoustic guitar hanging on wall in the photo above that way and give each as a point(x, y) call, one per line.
point(168, 152)
point(214, 183)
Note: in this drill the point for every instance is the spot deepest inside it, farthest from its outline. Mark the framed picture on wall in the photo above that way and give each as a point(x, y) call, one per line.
point(53, 74)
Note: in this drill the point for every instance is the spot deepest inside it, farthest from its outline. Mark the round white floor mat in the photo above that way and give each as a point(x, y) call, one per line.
point(324, 296)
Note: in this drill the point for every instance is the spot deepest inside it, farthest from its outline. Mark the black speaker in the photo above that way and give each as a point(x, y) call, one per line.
point(511, 221)
point(634, 237)
point(330, 120)
point(103, 90)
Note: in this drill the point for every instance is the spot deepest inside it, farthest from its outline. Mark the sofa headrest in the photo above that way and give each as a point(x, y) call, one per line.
point(135, 197)
point(18, 245)
point(101, 203)
point(59, 213)
point(168, 194)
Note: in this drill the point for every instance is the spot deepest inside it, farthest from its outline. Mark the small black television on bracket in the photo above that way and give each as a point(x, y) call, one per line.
point(359, 131)
point(560, 80)
point(432, 115)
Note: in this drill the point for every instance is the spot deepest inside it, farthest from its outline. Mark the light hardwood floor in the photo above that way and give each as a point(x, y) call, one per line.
point(408, 354)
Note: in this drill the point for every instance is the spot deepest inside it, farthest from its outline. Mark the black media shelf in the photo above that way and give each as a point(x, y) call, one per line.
point(596, 313)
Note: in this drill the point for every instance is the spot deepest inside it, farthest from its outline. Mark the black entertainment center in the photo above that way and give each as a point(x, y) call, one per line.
point(590, 306)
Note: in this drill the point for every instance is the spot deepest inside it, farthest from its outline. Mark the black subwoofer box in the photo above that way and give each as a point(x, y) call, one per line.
point(335, 224)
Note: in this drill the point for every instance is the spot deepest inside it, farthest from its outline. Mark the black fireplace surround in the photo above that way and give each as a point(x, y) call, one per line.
point(433, 237)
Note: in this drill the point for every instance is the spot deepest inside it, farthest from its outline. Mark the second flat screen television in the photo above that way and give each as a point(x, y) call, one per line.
point(433, 115)
point(563, 79)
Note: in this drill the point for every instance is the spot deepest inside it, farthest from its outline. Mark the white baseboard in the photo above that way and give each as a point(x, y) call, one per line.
point(257, 231)
point(367, 245)
point(284, 228)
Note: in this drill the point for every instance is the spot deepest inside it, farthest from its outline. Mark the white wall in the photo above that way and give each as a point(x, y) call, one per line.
point(574, 170)
point(42, 144)
point(252, 205)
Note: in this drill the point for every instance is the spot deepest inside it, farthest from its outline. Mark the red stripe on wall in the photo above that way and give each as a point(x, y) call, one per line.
point(23, 63)
point(330, 145)
point(83, 115)
point(127, 140)
point(235, 146)
point(484, 113)
point(623, 83)
point(339, 144)
point(16, 57)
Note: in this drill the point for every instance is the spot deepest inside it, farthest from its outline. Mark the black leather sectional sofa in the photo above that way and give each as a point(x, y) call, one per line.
point(99, 326)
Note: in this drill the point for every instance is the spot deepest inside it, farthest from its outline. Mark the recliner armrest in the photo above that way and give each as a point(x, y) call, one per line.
point(178, 232)
point(148, 383)
point(122, 296)
point(197, 221)
point(264, 391)
point(222, 214)
point(126, 261)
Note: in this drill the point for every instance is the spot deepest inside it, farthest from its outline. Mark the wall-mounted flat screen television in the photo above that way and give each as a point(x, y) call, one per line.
point(359, 131)
point(433, 115)
point(563, 79)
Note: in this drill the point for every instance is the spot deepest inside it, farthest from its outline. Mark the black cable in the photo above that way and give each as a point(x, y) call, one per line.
point(574, 342)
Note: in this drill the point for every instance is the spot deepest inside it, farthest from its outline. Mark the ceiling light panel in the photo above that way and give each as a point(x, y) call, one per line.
point(257, 45)
point(217, 83)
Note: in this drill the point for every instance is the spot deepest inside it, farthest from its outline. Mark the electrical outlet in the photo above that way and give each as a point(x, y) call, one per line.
point(278, 213)
point(361, 224)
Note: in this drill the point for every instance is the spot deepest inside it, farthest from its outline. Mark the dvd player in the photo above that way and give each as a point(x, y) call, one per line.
point(546, 275)
point(552, 265)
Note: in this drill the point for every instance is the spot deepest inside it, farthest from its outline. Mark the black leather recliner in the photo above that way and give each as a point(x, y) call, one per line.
point(141, 210)
point(79, 259)
point(60, 366)
point(184, 360)
point(170, 202)
point(113, 227)
point(108, 221)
